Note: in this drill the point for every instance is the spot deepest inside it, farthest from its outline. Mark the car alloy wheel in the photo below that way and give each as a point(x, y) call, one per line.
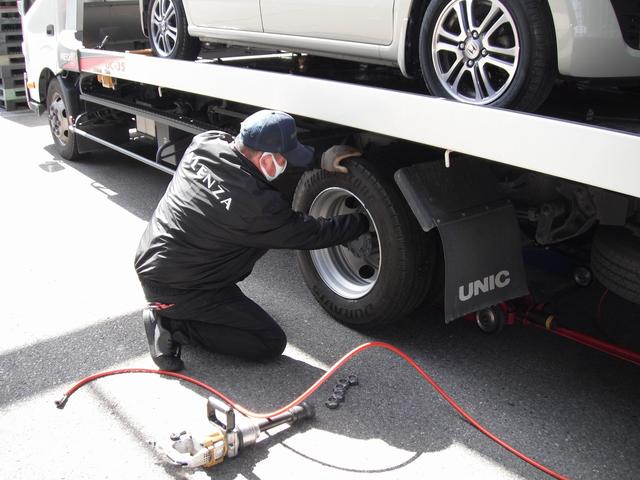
point(475, 50)
point(164, 27)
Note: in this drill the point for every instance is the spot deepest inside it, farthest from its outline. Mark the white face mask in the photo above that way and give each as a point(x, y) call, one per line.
point(279, 168)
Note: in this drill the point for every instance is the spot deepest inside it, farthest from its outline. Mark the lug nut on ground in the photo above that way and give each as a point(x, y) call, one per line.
point(338, 395)
point(340, 391)
point(332, 403)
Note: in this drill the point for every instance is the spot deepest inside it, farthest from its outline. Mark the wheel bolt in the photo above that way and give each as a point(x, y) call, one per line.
point(485, 52)
point(475, 35)
point(470, 63)
point(332, 403)
point(461, 45)
point(339, 396)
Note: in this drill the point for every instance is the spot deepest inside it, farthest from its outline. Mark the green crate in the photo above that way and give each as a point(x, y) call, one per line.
point(9, 94)
point(11, 48)
point(9, 11)
point(12, 60)
point(12, 94)
point(12, 81)
point(9, 37)
point(8, 71)
point(12, 105)
point(10, 24)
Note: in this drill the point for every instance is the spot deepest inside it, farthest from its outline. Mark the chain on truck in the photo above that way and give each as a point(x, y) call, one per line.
point(456, 192)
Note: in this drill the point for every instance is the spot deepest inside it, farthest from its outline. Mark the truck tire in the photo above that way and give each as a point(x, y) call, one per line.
point(60, 110)
point(506, 58)
point(615, 261)
point(168, 35)
point(380, 277)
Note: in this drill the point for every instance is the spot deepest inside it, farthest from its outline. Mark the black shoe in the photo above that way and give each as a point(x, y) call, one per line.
point(164, 350)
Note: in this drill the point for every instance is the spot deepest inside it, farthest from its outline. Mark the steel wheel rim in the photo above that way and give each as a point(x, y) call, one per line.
point(475, 50)
point(348, 274)
point(58, 119)
point(164, 27)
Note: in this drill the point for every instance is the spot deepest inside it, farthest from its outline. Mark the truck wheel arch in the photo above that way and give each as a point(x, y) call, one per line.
point(43, 83)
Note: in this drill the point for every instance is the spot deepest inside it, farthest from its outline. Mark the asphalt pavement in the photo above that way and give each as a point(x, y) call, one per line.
point(71, 307)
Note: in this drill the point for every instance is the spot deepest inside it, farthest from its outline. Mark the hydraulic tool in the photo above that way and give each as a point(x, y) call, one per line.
point(232, 432)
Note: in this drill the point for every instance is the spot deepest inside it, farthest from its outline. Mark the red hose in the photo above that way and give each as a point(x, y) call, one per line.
point(597, 344)
point(61, 403)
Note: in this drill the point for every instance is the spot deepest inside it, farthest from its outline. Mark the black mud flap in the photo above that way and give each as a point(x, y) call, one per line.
point(478, 228)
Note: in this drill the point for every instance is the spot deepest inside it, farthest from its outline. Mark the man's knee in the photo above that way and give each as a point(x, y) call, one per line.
point(278, 345)
point(252, 345)
point(268, 348)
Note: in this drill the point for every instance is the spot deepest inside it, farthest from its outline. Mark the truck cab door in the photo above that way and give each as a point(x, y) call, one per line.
point(41, 25)
point(241, 15)
point(362, 21)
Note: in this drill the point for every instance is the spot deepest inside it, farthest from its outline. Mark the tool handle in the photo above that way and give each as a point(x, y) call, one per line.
point(215, 405)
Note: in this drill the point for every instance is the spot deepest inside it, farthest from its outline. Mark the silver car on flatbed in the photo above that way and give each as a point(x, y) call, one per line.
point(486, 52)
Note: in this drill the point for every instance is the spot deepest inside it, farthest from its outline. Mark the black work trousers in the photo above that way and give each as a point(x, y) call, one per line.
point(223, 321)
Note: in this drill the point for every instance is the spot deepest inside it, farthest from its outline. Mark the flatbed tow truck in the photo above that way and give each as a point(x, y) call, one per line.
point(460, 195)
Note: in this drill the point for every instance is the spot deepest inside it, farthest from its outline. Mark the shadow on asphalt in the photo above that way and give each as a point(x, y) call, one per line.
point(135, 186)
point(26, 118)
point(70, 357)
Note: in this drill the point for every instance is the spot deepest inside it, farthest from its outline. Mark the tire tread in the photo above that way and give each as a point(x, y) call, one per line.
point(615, 260)
point(413, 267)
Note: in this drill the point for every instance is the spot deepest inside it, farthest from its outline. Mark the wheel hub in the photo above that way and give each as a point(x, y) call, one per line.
point(472, 48)
point(58, 120)
point(364, 246)
point(350, 270)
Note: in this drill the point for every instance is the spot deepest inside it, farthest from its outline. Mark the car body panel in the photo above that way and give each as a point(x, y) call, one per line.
point(224, 14)
point(391, 54)
point(363, 52)
point(588, 37)
point(590, 42)
point(362, 21)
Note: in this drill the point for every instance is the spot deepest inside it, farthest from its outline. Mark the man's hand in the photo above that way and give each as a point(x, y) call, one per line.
point(363, 211)
point(331, 158)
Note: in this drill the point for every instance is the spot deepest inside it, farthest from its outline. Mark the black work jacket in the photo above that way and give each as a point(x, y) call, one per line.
point(219, 215)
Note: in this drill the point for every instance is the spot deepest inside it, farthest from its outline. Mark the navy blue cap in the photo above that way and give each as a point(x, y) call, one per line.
point(275, 132)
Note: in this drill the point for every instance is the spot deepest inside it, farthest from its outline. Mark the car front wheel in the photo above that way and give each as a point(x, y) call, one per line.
point(167, 27)
point(488, 52)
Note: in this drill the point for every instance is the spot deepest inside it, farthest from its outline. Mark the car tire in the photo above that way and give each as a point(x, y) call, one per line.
point(60, 111)
point(615, 261)
point(405, 257)
point(167, 27)
point(450, 54)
